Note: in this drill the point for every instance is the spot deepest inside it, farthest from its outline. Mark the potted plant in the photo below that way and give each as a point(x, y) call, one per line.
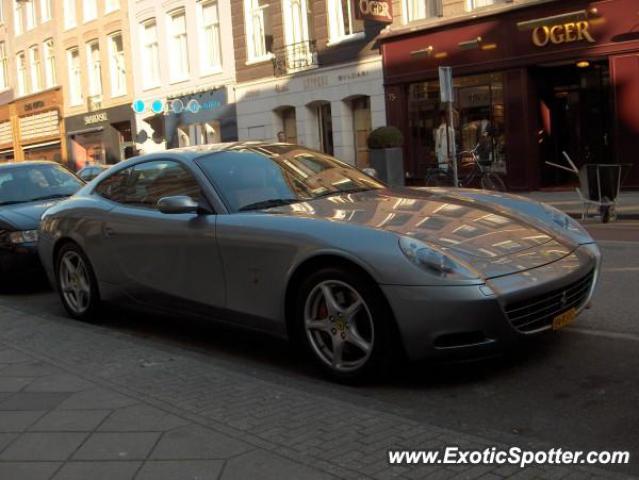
point(385, 145)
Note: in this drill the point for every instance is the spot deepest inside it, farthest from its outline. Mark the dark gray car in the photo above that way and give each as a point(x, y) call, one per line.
point(27, 189)
point(293, 242)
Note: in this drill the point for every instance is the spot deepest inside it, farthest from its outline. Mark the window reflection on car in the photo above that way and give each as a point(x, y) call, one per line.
point(29, 183)
point(277, 175)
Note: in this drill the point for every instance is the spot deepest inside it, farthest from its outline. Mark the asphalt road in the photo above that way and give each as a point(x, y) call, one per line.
point(578, 388)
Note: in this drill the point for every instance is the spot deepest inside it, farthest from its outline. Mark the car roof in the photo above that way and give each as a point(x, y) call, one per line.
point(191, 153)
point(26, 163)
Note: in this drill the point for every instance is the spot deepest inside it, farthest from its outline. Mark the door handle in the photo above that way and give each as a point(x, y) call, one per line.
point(108, 232)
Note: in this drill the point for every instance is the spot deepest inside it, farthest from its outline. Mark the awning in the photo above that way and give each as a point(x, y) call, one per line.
point(86, 130)
point(41, 145)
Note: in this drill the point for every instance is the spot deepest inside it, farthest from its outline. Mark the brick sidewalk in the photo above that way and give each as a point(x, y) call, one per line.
point(80, 401)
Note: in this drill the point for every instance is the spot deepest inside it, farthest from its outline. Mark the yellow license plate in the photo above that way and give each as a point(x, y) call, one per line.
point(560, 321)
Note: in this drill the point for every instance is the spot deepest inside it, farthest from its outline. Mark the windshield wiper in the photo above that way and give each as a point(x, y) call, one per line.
point(273, 202)
point(13, 202)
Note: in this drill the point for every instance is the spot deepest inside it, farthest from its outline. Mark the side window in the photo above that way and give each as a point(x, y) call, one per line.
point(144, 184)
point(114, 186)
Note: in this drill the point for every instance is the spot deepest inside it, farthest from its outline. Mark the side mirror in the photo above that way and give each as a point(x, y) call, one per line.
point(178, 204)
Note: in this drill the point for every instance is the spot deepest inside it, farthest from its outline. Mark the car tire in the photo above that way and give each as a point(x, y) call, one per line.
point(363, 335)
point(76, 283)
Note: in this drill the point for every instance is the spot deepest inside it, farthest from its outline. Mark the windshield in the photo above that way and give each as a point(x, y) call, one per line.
point(251, 178)
point(27, 183)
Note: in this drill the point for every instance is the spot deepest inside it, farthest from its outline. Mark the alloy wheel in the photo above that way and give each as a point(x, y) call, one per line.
point(339, 325)
point(74, 282)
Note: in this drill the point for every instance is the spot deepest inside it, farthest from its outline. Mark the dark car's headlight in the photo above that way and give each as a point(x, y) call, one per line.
point(24, 236)
point(434, 260)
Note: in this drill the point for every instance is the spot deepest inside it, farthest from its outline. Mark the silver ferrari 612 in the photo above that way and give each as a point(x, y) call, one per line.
point(293, 242)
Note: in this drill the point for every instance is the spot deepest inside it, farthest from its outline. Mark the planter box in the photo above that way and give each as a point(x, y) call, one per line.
point(389, 164)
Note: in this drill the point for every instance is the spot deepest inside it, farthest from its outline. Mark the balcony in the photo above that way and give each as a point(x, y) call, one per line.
point(295, 57)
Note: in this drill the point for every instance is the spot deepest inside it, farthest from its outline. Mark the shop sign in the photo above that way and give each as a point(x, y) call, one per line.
point(562, 33)
point(312, 83)
point(33, 105)
point(96, 118)
point(374, 10)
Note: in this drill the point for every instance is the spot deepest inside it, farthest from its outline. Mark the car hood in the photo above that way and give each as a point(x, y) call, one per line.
point(24, 216)
point(492, 238)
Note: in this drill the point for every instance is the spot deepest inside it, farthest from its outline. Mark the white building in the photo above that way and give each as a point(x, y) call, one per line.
point(184, 72)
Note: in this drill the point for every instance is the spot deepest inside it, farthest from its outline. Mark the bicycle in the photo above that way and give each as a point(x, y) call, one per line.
point(469, 162)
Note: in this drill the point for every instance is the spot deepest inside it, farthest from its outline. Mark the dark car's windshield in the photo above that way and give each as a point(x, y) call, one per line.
point(27, 183)
point(253, 178)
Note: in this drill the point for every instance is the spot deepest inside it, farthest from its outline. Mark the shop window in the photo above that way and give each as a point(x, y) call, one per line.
point(69, 14)
point(150, 54)
point(259, 35)
point(94, 69)
point(34, 68)
point(21, 69)
point(89, 10)
point(178, 46)
point(184, 139)
point(4, 66)
point(87, 149)
point(45, 10)
point(361, 110)
point(75, 81)
point(49, 63)
point(117, 66)
point(478, 114)
point(342, 24)
point(211, 55)
point(212, 132)
point(421, 9)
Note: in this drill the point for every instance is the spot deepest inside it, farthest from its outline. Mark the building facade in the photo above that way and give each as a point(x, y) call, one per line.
point(534, 79)
point(184, 71)
point(31, 124)
point(96, 78)
point(308, 71)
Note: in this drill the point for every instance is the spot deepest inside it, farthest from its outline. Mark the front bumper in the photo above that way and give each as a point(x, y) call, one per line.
point(20, 262)
point(453, 321)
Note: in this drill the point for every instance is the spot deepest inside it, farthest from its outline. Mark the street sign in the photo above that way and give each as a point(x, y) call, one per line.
point(446, 84)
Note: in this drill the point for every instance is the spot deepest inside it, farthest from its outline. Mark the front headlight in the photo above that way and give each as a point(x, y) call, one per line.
point(25, 236)
point(434, 260)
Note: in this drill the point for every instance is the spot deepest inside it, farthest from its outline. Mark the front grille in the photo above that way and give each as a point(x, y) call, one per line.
point(538, 312)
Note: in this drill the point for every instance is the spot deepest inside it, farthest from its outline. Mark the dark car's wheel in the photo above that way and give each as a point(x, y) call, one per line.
point(76, 283)
point(346, 325)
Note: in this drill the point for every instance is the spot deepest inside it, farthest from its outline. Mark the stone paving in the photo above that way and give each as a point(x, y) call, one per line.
point(81, 401)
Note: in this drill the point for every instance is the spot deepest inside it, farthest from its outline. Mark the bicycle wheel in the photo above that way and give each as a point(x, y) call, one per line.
point(492, 181)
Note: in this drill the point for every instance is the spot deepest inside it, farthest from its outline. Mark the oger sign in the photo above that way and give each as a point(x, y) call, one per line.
point(564, 33)
point(374, 10)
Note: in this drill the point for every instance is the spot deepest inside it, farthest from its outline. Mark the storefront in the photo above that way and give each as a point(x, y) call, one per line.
point(100, 137)
point(194, 118)
point(37, 127)
point(7, 152)
point(331, 109)
point(200, 119)
point(529, 84)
